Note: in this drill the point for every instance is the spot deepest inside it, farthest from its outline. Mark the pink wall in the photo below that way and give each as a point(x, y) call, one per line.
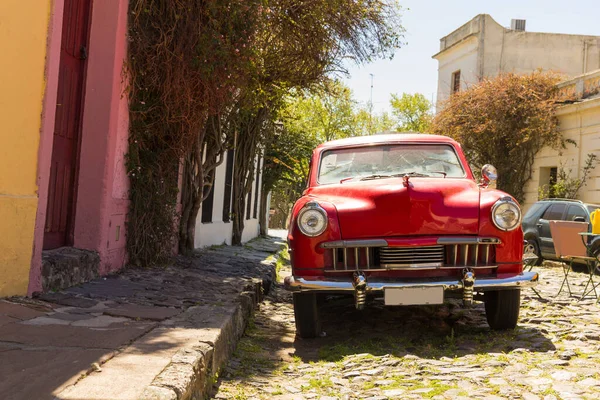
point(46, 139)
point(102, 201)
point(103, 184)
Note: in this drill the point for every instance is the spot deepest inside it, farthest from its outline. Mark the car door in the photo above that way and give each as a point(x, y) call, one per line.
point(554, 213)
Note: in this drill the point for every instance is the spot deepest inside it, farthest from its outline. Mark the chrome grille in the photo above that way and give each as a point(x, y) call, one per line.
point(470, 255)
point(416, 257)
point(375, 254)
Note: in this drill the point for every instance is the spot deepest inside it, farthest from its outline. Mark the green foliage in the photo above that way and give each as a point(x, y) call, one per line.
point(504, 121)
point(368, 123)
point(412, 112)
point(305, 120)
point(567, 187)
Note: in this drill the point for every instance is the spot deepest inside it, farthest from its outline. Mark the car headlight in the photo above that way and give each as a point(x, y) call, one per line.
point(506, 214)
point(312, 219)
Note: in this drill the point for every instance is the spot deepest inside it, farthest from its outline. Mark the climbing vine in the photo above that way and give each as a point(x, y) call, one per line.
point(187, 59)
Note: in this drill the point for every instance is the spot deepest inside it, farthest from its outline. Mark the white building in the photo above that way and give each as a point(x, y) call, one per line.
point(483, 48)
point(213, 224)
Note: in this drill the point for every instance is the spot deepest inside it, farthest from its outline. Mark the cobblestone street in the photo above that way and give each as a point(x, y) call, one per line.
point(444, 352)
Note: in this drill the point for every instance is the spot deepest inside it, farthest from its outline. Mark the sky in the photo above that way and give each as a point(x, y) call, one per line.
point(426, 21)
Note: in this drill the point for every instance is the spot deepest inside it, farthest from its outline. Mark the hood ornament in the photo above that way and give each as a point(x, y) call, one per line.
point(405, 179)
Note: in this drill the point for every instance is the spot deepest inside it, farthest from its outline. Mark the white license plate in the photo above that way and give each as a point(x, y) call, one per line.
point(413, 295)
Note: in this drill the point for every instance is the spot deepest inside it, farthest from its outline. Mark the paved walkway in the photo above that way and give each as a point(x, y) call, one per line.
point(441, 352)
point(144, 333)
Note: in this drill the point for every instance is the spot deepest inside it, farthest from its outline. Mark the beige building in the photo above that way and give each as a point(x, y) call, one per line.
point(483, 48)
point(580, 123)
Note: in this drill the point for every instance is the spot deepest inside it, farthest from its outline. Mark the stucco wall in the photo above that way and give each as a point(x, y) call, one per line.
point(218, 232)
point(494, 49)
point(462, 57)
point(102, 200)
point(23, 40)
point(526, 51)
point(579, 122)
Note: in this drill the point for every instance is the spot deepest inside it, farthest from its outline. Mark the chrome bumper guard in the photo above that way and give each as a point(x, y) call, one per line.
point(337, 285)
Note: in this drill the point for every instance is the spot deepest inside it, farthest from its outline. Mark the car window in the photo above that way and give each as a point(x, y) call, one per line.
point(433, 160)
point(554, 212)
point(534, 209)
point(576, 211)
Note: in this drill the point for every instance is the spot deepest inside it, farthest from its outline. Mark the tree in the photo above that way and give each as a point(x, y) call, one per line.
point(412, 112)
point(299, 46)
point(368, 123)
point(504, 121)
point(208, 75)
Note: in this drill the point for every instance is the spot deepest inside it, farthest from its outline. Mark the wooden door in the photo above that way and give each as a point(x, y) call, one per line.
point(67, 127)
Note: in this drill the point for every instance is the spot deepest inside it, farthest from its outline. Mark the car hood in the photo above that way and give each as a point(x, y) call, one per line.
point(387, 207)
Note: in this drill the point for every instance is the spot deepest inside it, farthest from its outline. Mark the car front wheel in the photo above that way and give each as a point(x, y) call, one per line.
point(536, 250)
point(502, 308)
point(306, 313)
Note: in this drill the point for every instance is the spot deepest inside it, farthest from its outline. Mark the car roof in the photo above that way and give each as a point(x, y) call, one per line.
point(571, 201)
point(388, 138)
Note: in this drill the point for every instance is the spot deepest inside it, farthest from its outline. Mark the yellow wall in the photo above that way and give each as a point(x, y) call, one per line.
point(23, 33)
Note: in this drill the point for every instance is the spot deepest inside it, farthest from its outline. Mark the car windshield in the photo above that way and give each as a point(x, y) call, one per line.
point(375, 162)
point(591, 208)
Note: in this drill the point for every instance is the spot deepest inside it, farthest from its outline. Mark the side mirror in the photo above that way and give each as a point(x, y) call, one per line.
point(579, 219)
point(489, 175)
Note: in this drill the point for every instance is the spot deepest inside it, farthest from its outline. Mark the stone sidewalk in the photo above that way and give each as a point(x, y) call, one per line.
point(143, 334)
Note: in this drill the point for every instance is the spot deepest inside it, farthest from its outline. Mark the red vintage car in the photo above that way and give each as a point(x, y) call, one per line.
point(401, 218)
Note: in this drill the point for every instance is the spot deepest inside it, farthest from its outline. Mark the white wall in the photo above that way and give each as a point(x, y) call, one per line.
point(218, 232)
point(483, 47)
point(251, 226)
point(462, 57)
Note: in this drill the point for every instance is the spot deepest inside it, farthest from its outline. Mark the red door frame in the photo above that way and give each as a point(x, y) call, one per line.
point(58, 240)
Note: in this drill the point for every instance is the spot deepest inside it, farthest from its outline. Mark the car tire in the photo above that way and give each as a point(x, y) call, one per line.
point(306, 313)
point(502, 308)
point(537, 251)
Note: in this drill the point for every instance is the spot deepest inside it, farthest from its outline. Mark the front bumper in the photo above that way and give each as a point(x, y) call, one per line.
point(339, 285)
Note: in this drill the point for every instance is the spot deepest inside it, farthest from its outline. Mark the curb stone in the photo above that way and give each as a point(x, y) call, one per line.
point(192, 369)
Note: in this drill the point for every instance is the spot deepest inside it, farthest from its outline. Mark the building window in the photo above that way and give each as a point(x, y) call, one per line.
point(456, 81)
point(207, 206)
point(552, 182)
point(228, 182)
point(548, 176)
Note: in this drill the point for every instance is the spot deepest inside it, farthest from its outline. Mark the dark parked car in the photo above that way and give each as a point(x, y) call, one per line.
point(536, 228)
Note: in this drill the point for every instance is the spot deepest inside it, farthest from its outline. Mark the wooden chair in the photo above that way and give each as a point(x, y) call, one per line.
point(570, 248)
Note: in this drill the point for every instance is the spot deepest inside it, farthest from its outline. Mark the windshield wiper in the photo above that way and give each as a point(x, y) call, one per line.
point(439, 172)
point(412, 173)
point(375, 176)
